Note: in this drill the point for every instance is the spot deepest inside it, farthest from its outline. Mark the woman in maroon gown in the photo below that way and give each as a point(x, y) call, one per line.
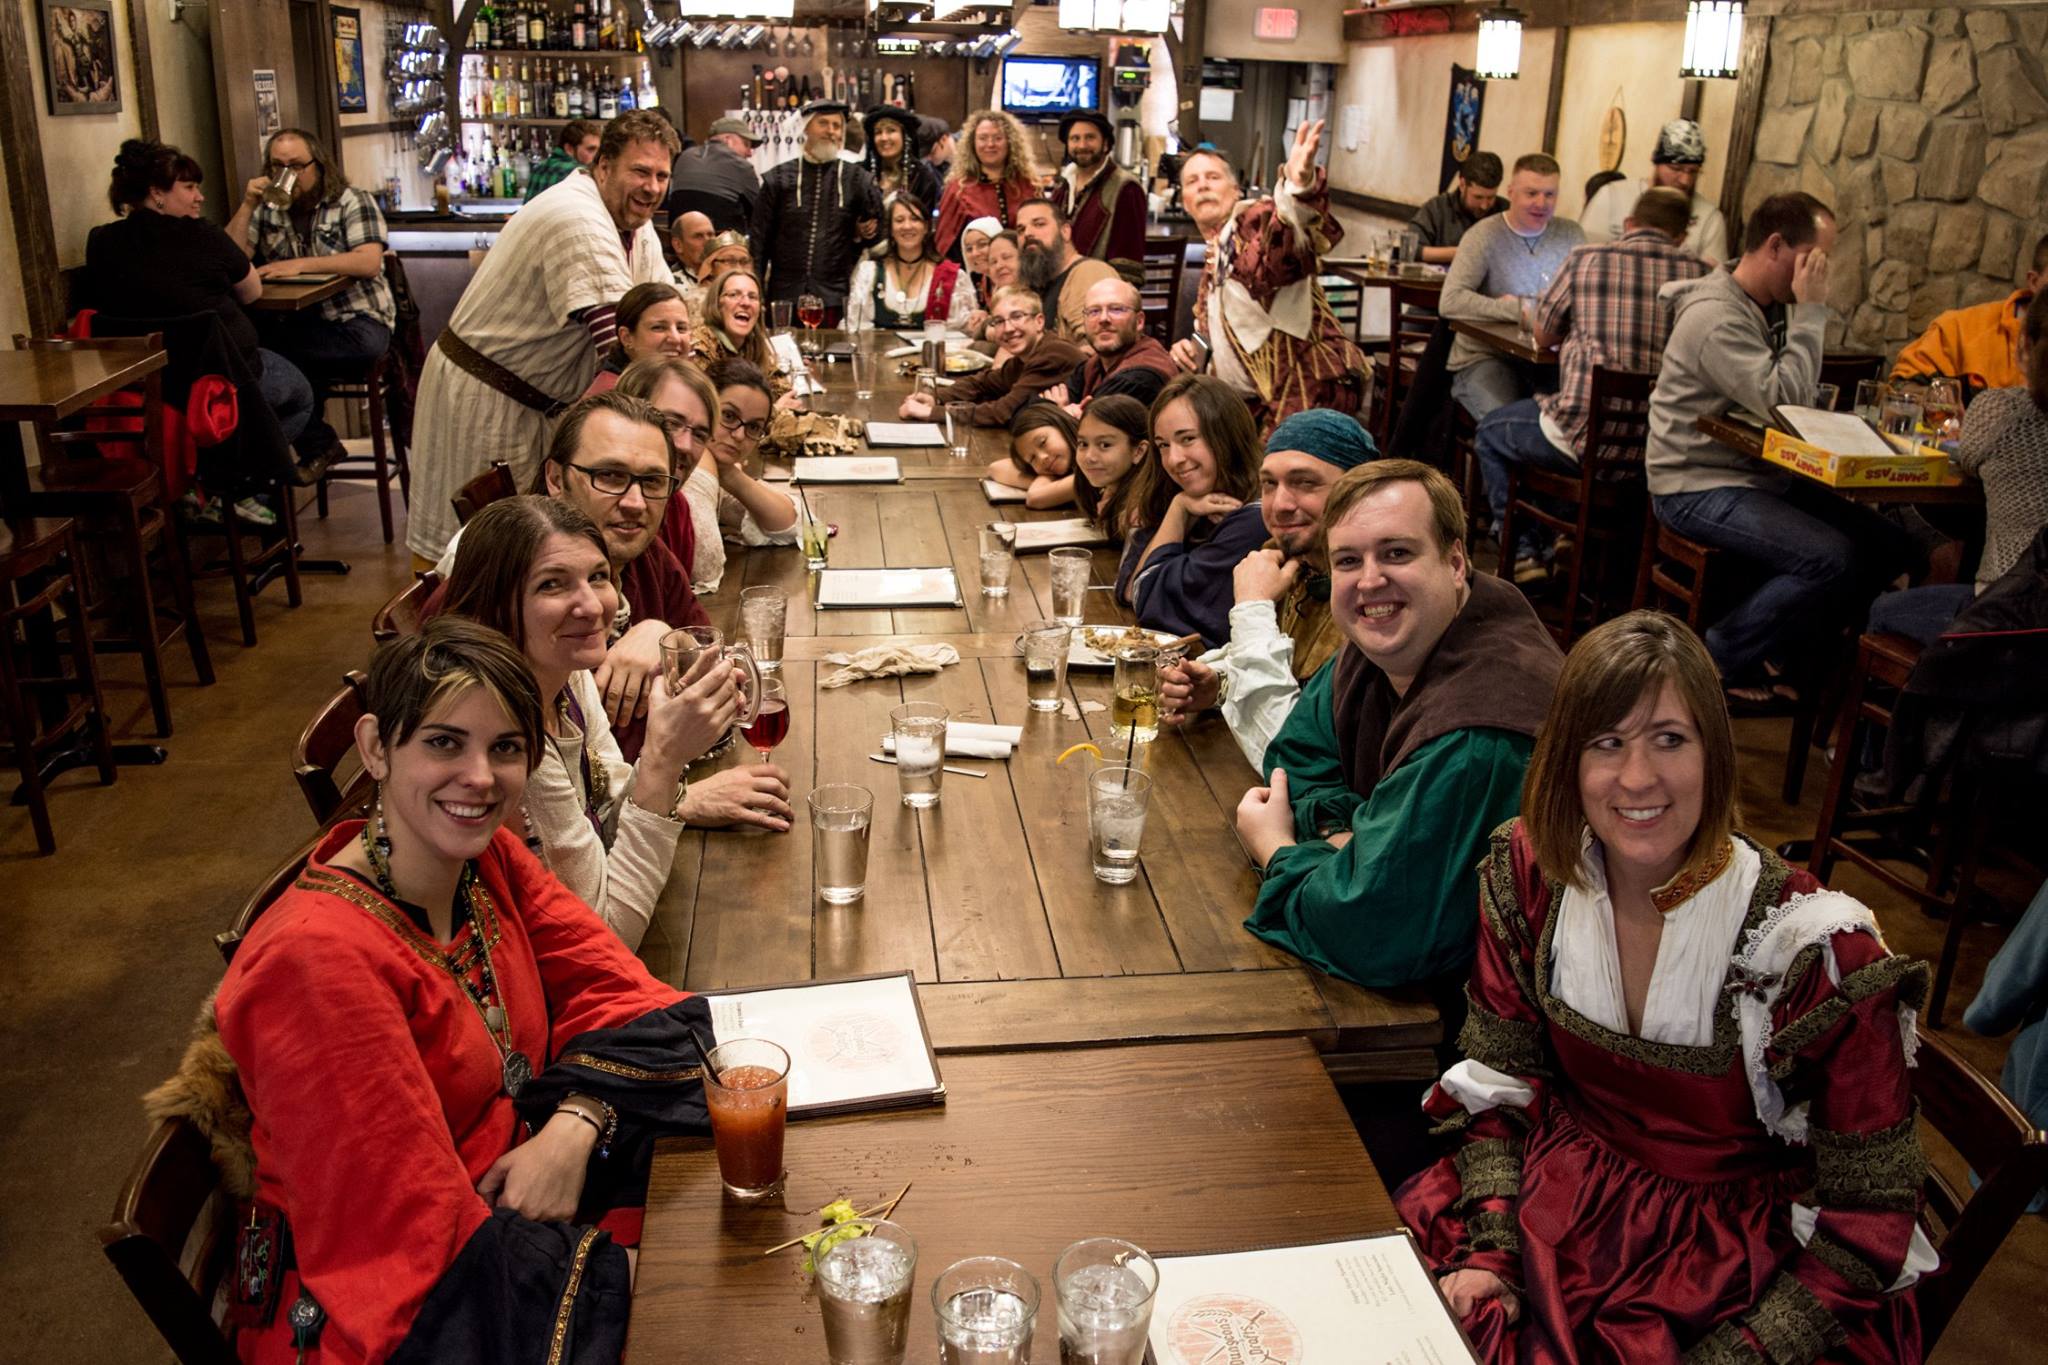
point(1686, 1124)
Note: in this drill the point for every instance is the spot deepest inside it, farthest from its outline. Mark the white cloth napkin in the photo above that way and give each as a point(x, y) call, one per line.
point(964, 739)
point(889, 661)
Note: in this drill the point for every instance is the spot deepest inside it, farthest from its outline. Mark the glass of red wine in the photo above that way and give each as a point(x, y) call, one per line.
point(770, 725)
point(810, 311)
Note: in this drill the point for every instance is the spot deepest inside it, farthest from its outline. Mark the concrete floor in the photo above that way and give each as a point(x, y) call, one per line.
point(109, 948)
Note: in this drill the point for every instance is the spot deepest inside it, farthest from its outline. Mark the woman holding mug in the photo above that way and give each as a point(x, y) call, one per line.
point(536, 569)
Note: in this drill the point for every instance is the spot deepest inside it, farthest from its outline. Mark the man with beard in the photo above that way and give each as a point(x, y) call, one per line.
point(816, 214)
point(329, 226)
point(1126, 359)
point(1105, 203)
point(1061, 275)
point(1261, 317)
point(1680, 154)
point(1281, 633)
point(527, 333)
point(1406, 750)
point(1443, 221)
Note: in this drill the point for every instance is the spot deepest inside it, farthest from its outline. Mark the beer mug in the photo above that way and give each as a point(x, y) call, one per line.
point(278, 193)
point(679, 651)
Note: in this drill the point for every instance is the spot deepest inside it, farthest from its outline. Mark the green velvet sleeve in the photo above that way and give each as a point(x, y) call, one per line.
point(1396, 904)
point(1306, 746)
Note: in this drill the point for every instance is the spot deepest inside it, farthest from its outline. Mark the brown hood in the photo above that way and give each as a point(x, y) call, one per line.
point(1494, 669)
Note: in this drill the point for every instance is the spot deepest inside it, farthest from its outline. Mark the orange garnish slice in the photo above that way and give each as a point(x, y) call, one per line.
point(1073, 749)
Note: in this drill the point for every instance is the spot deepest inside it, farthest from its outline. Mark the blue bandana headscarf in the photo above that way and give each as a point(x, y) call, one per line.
point(1331, 436)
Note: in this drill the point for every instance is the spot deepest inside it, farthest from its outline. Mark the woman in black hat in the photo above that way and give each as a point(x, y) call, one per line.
point(896, 154)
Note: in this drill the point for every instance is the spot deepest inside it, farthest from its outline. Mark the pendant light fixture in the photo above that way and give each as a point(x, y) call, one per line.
point(1713, 40)
point(1500, 44)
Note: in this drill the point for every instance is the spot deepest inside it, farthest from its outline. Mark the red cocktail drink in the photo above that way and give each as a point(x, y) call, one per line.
point(749, 1105)
point(769, 727)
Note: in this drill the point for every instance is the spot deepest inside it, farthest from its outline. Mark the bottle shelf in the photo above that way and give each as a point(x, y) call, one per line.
point(579, 53)
point(514, 121)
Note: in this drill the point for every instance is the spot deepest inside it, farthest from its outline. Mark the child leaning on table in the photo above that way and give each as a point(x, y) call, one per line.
point(1043, 438)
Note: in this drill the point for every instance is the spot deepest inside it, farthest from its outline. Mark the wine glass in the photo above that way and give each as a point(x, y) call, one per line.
point(770, 725)
point(810, 311)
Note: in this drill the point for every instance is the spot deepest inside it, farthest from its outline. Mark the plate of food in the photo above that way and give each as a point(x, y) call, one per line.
point(967, 362)
point(1096, 646)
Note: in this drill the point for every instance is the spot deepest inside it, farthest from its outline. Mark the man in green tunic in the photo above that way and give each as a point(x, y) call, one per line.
point(1406, 749)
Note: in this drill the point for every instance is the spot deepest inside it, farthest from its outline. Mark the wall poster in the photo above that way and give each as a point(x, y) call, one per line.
point(79, 73)
point(1461, 123)
point(352, 93)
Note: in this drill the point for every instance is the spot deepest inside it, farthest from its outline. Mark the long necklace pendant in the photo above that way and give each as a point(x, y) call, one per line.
point(518, 1071)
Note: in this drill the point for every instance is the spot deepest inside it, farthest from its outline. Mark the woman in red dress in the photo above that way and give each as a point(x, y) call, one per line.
point(1687, 1128)
point(456, 1072)
point(992, 174)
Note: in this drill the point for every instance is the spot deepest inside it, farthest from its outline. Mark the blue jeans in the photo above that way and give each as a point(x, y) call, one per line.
point(1513, 434)
point(285, 388)
point(1826, 558)
point(1491, 382)
point(325, 351)
point(1920, 614)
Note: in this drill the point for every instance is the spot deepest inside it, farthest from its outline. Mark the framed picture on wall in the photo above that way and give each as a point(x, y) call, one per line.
point(1461, 122)
point(79, 71)
point(352, 93)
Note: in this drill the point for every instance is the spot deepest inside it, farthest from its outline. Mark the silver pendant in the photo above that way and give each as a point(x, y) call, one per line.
point(518, 1071)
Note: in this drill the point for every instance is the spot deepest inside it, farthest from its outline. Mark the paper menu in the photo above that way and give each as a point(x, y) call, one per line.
point(905, 434)
point(1365, 1301)
point(846, 469)
point(1001, 492)
point(916, 339)
point(1051, 535)
point(852, 1045)
point(937, 586)
point(1838, 433)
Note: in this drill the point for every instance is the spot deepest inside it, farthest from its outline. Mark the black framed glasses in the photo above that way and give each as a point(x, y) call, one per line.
point(729, 418)
point(614, 482)
point(1108, 310)
point(277, 168)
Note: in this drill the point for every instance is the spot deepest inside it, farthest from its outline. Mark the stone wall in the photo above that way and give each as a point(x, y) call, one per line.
point(1927, 131)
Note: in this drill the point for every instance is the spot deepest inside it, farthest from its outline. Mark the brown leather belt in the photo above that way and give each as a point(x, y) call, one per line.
point(489, 372)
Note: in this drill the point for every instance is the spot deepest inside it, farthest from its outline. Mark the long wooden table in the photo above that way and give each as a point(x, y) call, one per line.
point(292, 296)
point(1958, 490)
point(990, 898)
point(1190, 1148)
point(50, 385)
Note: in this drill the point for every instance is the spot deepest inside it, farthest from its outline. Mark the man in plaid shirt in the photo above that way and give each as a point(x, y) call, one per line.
point(330, 227)
point(574, 149)
point(1600, 310)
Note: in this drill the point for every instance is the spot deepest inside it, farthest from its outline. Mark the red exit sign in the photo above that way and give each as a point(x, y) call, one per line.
point(1276, 25)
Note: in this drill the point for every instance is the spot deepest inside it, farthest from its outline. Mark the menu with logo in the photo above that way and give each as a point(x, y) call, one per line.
point(1369, 1301)
point(905, 434)
point(1051, 535)
point(853, 1045)
point(937, 586)
point(846, 469)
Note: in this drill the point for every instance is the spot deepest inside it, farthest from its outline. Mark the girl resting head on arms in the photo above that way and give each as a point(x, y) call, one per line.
point(1041, 461)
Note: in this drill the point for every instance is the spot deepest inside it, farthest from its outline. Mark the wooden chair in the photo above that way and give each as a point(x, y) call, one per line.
point(1672, 573)
point(326, 743)
point(402, 614)
point(1411, 319)
point(134, 538)
point(266, 895)
point(483, 490)
point(1346, 296)
point(40, 705)
point(1194, 257)
point(1163, 260)
point(172, 1238)
point(2009, 1157)
point(1605, 496)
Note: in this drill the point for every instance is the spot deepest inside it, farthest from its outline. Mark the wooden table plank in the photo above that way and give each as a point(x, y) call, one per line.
point(284, 296)
point(991, 1016)
point(914, 536)
point(1176, 1147)
point(1506, 338)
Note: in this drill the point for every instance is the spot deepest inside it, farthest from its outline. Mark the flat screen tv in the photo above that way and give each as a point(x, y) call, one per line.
point(1051, 87)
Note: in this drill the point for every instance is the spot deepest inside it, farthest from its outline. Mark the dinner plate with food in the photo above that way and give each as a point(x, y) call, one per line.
point(1096, 646)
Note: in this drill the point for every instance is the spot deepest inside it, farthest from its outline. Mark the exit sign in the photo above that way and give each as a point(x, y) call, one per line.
point(1277, 25)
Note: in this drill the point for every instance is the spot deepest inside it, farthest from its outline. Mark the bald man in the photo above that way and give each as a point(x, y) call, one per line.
point(1126, 358)
point(687, 236)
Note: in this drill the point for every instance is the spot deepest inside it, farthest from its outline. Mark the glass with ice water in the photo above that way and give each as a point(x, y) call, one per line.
point(864, 363)
point(986, 1308)
point(919, 728)
point(1070, 568)
point(1118, 795)
point(997, 541)
point(764, 613)
point(1104, 1287)
point(1870, 399)
point(1045, 645)
point(864, 1292)
point(841, 816)
point(960, 429)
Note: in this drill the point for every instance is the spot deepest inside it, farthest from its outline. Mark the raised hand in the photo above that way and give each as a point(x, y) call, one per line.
point(1301, 162)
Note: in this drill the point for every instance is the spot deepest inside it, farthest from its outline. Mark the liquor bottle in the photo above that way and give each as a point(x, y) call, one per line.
point(525, 92)
point(629, 98)
point(561, 92)
point(514, 22)
point(501, 94)
point(578, 29)
point(479, 32)
point(537, 29)
point(575, 94)
point(607, 99)
point(607, 32)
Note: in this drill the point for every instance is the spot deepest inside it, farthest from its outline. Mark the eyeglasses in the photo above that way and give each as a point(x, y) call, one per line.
point(729, 418)
point(1108, 310)
point(698, 435)
point(613, 483)
point(278, 168)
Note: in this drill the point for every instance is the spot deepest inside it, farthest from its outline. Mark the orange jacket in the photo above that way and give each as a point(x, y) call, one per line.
point(1981, 344)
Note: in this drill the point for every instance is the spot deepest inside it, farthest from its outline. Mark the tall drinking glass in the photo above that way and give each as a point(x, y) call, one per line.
point(810, 311)
point(749, 1106)
point(841, 815)
point(919, 728)
point(1901, 415)
point(764, 615)
point(1070, 567)
point(997, 559)
point(770, 725)
point(1104, 1288)
point(1134, 715)
point(1826, 396)
point(986, 1308)
point(960, 429)
point(1045, 645)
point(780, 314)
point(1118, 797)
point(864, 1292)
point(864, 363)
point(1870, 399)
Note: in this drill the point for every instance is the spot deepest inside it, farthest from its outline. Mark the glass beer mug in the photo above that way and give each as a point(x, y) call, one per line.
point(679, 651)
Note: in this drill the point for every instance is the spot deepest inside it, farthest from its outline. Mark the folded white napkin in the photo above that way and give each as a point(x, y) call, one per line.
point(889, 661)
point(965, 739)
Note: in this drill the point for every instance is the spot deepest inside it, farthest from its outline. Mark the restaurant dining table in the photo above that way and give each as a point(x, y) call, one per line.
point(288, 294)
point(1957, 490)
point(51, 385)
point(1181, 1149)
point(989, 898)
point(1506, 338)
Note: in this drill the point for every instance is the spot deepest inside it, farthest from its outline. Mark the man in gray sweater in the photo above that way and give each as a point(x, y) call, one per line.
point(1503, 265)
point(1750, 337)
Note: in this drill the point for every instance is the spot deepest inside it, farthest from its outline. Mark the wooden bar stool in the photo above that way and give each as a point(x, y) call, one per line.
point(387, 448)
point(1672, 572)
point(38, 558)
